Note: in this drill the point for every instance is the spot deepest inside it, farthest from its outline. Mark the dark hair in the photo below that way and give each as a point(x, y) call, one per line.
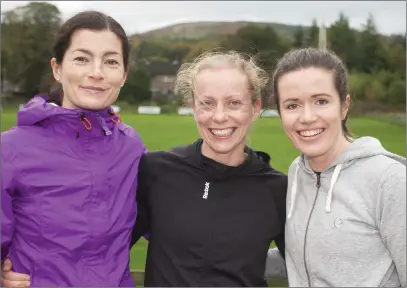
point(313, 57)
point(91, 20)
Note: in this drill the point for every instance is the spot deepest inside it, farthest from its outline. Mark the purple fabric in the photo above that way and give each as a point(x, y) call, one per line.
point(68, 196)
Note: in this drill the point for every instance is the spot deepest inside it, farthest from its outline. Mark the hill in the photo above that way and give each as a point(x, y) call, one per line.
point(204, 30)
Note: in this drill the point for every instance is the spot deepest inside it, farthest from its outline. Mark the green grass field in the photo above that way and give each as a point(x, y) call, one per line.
point(166, 131)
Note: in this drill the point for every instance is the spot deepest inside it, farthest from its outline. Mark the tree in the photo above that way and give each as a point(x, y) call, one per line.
point(148, 49)
point(299, 38)
point(179, 51)
point(342, 41)
point(372, 52)
point(396, 59)
point(27, 36)
point(312, 38)
point(200, 47)
point(263, 42)
point(138, 83)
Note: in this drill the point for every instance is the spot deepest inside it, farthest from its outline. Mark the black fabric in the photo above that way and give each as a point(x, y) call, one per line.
point(209, 224)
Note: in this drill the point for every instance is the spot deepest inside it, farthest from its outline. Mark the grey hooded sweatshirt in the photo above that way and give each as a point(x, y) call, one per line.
point(346, 226)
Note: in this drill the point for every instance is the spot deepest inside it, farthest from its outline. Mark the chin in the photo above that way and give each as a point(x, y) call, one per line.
point(93, 105)
point(312, 153)
point(222, 148)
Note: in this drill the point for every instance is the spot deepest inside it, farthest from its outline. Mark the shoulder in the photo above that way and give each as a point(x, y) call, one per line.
point(162, 159)
point(11, 143)
point(293, 166)
point(132, 135)
point(382, 167)
point(277, 184)
point(392, 177)
point(129, 131)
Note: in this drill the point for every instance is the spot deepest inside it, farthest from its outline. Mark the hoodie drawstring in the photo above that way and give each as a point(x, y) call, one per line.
point(294, 189)
point(335, 177)
point(86, 123)
point(293, 192)
point(116, 117)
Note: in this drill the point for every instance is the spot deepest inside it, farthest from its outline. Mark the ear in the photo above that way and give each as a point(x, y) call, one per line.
point(193, 108)
point(56, 69)
point(345, 107)
point(256, 109)
point(124, 78)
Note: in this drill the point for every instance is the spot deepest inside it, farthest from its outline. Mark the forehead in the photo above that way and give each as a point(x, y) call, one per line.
point(306, 82)
point(95, 41)
point(221, 81)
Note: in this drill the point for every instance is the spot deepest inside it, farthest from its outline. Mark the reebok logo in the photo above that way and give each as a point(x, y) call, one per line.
point(206, 191)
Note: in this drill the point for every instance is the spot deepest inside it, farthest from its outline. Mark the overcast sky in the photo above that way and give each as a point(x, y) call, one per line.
point(141, 16)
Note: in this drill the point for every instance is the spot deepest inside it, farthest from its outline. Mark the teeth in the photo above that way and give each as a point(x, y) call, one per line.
point(222, 132)
point(310, 133)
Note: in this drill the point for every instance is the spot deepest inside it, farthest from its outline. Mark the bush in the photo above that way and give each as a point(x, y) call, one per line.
point(397, 92)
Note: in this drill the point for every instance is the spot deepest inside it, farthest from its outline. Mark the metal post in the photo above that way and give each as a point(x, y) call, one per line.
point(322, 36)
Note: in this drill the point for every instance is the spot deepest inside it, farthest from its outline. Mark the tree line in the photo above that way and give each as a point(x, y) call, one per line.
point(376, 62)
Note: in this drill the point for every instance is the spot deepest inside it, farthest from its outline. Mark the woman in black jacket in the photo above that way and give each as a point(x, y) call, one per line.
point(211, 209)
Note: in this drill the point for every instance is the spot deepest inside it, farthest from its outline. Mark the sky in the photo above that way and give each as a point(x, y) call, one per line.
point(141, 16)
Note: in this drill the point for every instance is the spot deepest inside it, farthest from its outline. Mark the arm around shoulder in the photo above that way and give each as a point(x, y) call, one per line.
point(142, 225)
point(8, 160)
point(392, 215)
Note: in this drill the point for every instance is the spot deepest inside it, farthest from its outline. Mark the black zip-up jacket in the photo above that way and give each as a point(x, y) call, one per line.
point(209, 224)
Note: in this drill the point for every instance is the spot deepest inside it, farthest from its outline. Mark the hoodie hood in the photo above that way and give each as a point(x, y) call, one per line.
point(256, 162)
point(40, 112)
point(360, 148)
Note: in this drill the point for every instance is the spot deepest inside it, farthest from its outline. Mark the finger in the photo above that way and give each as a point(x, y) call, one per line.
point(14, 276)
point(6, 265)
point(15, 284)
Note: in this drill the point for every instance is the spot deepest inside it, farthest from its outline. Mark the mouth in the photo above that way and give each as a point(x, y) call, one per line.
point(310, 134)
point(222, 133)
point(93, 89)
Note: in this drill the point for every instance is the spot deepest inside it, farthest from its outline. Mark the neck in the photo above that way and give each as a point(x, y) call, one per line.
point(233, 158)
point(322, 162)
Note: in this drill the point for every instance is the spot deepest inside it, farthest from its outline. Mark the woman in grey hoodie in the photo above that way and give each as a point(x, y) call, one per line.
point(346, 200)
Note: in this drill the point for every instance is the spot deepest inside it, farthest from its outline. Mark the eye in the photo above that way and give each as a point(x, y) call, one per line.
point(322, 102)
point(81, 59)
point(112, 62)
point(206, 104)
point(292, 106)
point(235, 104)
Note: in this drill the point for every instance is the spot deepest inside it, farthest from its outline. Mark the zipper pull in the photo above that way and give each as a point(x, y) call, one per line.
point(104, 126)
point(318, 179)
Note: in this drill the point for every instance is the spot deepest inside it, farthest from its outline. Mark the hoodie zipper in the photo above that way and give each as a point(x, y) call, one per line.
point(306, 229)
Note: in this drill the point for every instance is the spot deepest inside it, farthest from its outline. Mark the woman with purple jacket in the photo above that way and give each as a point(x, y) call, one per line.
point(69, 167)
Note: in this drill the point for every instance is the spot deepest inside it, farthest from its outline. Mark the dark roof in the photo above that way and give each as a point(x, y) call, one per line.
point(163, 68)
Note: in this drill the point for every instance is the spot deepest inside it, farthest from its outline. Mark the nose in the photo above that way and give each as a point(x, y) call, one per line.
point(219, 115)
point(96, 72)
point(307, 115)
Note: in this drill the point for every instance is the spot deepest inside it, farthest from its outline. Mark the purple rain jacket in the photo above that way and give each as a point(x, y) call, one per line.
point(68, 196)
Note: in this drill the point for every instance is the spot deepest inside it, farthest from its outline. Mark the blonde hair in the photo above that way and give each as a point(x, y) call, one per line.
point(185, 82)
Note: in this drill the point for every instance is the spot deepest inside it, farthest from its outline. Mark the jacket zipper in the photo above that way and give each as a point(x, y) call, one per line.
point(306, 230)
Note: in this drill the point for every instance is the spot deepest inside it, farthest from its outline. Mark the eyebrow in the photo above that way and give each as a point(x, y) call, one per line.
point(227, 97)
point(312, 96)
point(107, 53)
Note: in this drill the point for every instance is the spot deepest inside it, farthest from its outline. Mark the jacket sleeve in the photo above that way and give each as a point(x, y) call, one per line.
point(281, 208)
point(275, 265)
point(142, 226)
point(392, 216)
point(7, 192)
